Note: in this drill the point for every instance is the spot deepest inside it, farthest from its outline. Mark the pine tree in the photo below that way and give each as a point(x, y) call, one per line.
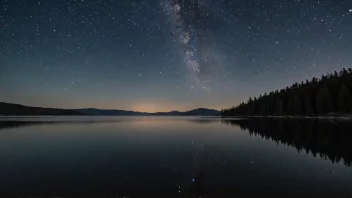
point(279, 107)
point(319, 107)
point(308, 110)
point(296, 105)
point(344, 102)
point(331, 93)
point(328, 101)
point(323, 101)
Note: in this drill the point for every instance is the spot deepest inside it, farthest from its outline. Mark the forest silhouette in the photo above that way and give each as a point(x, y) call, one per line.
point(328, 95)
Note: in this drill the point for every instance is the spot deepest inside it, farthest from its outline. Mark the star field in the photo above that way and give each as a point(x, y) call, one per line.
point(168, 54)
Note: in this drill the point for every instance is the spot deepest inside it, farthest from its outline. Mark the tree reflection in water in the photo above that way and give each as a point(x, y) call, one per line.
point(329, 139)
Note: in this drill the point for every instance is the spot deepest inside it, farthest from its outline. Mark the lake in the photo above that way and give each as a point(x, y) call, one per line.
point(174, 157)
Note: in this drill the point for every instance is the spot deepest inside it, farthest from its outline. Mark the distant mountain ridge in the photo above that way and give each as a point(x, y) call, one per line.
point(17, 109)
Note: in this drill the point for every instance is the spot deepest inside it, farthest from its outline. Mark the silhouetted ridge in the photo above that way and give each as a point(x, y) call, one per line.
point(16, 109)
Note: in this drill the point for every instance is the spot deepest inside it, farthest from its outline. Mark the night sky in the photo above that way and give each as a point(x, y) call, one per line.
point(163, 55)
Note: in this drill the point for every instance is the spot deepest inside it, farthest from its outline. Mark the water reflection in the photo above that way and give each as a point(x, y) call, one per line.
point(14, 122)
point(329, 139)
point(17, 124)
point(170, 157)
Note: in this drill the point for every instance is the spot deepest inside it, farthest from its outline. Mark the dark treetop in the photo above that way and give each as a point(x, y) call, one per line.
point(328, 95)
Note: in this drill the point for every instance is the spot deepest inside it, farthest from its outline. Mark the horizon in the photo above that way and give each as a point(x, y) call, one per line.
point(176, 98)
point(170, 109)
point(176, 110)
point(160, 56)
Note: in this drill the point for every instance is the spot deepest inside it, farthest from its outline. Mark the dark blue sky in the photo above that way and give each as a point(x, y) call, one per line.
point(166, 54)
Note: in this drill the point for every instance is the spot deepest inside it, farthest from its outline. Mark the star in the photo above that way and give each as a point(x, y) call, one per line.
point(183, 48)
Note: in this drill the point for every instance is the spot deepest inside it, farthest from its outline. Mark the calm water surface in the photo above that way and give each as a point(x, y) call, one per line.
point(174, 157)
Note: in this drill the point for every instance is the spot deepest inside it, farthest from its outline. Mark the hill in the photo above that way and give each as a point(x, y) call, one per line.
point(201, 111)
point(16, 109)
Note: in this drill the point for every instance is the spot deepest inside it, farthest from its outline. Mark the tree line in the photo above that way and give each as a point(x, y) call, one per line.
point(330, 94)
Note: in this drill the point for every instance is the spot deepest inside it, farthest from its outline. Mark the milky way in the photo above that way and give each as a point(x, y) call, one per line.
point(166, 55)
point(190, 20)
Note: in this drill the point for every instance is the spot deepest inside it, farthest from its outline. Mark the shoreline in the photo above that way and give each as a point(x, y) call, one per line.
point(346, 117)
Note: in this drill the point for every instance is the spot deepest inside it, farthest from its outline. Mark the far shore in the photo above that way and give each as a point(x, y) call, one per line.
point(345, 117)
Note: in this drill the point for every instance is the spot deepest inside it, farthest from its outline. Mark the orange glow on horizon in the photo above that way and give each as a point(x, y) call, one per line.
point(148, 107)
point(152, 108)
